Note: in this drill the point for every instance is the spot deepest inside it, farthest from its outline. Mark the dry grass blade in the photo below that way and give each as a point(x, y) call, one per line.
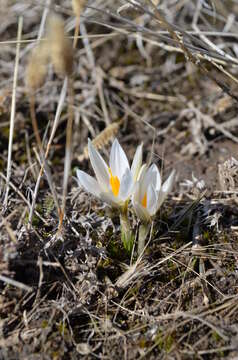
point(77, 6)
point(133, 272)
point(68, 149)
point(13, 108)
point(15, 283)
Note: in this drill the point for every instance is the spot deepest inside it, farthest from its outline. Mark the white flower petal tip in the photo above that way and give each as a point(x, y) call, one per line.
point(155, 177)
point(166, 188)
point(118, 161)
point(99, 166)
point(168, 184)
point(137, 162)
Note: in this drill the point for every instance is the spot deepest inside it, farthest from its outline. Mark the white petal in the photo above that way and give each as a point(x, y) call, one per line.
point(152, 199)
point(151, 176)
point(141, 212)
point(99, 166)
point(136, 193)
point(88, 182)
point(110, 199)
point(142, 171)
point(126, 185)
point(118, 160)
point(137, 162)
point(168, 184)
point(166, 188)
point(144, 183)
point(155, 177)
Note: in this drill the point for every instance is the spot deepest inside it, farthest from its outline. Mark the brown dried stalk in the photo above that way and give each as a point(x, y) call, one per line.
point(77, 6)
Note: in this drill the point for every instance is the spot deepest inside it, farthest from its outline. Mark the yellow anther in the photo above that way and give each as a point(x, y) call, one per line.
point(144, 201)
point(115, 183)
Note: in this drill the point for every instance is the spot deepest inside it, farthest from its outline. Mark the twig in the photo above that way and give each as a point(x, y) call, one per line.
point(15, 283)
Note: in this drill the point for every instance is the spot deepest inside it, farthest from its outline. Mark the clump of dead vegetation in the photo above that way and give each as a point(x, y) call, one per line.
point(159, 72)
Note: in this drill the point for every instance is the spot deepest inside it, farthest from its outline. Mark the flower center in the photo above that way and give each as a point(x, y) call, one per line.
point(115, 183)
point(144, 201)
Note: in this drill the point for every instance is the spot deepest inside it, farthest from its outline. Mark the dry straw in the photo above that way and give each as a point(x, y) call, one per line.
point(78, 6)
point(13, 109)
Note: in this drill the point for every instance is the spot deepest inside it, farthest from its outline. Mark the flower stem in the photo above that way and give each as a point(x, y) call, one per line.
point(127, 236)
point(143, 232)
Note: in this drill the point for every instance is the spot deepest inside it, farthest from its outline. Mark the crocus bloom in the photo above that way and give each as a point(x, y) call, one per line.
point(149, 194)
point(114, 183)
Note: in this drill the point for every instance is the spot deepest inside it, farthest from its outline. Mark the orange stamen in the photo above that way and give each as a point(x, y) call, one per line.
point(115, 183)
point(144, 201)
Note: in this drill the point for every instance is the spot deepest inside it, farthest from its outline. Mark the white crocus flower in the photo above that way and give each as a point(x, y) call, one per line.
point(149, 194)
point(114, 183)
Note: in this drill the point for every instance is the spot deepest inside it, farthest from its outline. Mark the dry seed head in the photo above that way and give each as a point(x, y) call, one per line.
point(36, 69)
point(61, 51)
point(78, 6)
point(102, 139)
